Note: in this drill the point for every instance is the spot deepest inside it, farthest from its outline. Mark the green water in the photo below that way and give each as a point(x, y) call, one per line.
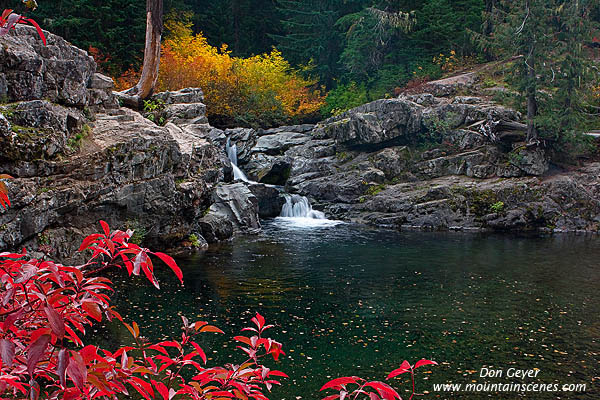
point(352, 301)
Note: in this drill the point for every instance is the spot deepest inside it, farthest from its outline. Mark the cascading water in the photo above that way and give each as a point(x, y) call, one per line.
point(298, 213)
point(232, 154)
point(298, 207)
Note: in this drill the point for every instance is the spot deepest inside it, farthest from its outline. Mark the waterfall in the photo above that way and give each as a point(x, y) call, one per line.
point(298, 207)
point(232, 154)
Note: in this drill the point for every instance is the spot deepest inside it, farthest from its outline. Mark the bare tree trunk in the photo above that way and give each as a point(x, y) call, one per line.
point(532, 134)
point(154, 27)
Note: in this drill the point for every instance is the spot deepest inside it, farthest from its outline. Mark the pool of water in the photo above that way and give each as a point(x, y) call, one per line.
point(348, 300)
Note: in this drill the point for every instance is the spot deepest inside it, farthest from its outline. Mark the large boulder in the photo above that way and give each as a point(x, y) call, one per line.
point(59, 72)
point(234, 203)
point(374, 123)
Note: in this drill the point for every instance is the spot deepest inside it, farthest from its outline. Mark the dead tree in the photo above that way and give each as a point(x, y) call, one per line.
point(147, 83)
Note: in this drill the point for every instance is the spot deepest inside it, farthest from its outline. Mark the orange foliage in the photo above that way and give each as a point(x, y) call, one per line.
point(259, 90)
point(127, 80)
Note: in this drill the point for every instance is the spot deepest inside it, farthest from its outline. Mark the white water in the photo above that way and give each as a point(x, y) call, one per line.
point(297, 211)
point(232, 154)
point(298, 207)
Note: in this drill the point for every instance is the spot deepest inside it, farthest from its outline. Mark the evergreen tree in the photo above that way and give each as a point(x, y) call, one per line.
point(310, 34)
point(553, 69)
point(115, 27)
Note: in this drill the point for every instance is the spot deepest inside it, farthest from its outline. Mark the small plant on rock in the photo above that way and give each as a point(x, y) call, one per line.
point(497, 207)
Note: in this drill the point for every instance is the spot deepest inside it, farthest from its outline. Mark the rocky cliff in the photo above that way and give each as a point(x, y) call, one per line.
point(77, 158)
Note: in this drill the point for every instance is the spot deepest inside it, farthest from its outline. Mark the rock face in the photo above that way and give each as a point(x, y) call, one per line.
point(78, 158)
point(59, 72)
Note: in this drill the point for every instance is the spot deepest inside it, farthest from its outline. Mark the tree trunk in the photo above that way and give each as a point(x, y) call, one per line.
point(488, 24)
point(532, 134)
point(154, 27)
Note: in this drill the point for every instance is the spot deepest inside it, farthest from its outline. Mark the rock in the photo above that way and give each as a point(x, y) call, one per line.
point(58, 72)
point(99, 81)
point(305, 128)
point(183, 96)
point(180, 114)
point(236, 203)
point(269, 169)
point(374, 123)
point(129, 170)
point(38, 130)
point(531, 161)
point(278, 143)
point(270, 199)
point(216, 228)
point(450, 86)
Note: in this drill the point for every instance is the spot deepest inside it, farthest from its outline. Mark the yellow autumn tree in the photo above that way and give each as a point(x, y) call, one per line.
point(262, 90)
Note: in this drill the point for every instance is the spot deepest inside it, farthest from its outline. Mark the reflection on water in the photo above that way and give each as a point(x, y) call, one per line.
point(352, 301)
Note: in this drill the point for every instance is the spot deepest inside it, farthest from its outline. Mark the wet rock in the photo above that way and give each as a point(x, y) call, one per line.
point(531, 161)
point(269, 169)
point(278, 143)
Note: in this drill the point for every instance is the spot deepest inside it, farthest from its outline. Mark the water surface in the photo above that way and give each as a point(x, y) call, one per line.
point(354, 301)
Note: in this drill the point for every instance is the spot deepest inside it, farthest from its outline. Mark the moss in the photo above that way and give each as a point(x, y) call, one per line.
point(43, 238)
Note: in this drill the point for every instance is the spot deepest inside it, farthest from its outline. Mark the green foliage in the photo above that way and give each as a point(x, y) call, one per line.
point(343, 98)
point(497, 207)
point(194, 240)
point(139, 231)
point(115, 27)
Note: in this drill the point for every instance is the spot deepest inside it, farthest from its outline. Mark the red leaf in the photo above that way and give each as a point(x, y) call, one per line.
point(199, 351)
point(63, 363)
point(332, 397)
point(405, 367)
point(210, 328)
point(92, 310)
point(34, 390)
point(162, 389)
point(384, 390)
point(278, 373)
point(137, 262)
point(171, 263)
point(424, 362)
point(77, 371)
point(35, 352)
point(11, 318)
point(38, 29)
point(5, 14)
point(106, 228)
point(89, 240)
point(57, 324)
point(7, 350)
point(259, 320)
point(338, 382)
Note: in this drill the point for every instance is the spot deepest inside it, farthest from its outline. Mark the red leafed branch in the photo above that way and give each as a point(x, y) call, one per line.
point(46, 309)
point(8, 20)
point(373, 390)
